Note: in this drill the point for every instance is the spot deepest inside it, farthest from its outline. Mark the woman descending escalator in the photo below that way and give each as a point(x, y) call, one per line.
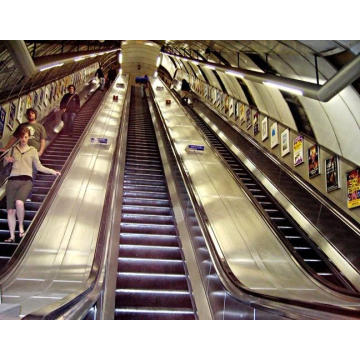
point(19, 184)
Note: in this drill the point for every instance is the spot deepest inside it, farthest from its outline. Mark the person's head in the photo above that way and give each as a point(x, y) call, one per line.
point(24, 135)
point(71, 89)
point(31, 114)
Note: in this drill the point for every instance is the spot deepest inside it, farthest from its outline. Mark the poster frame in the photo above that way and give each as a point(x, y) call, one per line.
point(285, 142)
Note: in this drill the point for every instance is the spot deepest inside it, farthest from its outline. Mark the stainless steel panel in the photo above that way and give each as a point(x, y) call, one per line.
point(60, 257)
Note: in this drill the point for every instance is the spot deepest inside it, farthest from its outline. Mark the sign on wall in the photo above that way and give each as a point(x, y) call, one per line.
point(332, 173)
point(2, 120)
point(264, 129)
point(274, 140)
point(298, 150)
point(353, 188)
point(313, 161)
point(256, 123)
point(285, 142)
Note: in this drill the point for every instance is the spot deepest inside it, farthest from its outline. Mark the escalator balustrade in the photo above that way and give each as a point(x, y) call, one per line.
point(54, 157)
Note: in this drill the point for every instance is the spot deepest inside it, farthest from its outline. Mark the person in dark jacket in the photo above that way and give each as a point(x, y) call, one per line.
point(111, 76)
point(185, 91)
point(100, 74)
point(70, 105)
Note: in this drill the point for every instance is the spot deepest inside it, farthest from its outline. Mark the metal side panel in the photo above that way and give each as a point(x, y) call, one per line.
point(60, 257)
point(252, 251)
point(198, 291)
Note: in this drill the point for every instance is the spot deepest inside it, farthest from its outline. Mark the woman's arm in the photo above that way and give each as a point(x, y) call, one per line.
point(42, 168)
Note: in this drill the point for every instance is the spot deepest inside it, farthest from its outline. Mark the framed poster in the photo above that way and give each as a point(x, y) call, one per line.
point(264, 129)
point(12, 116)
point(226, 103)
point(42, 92)
point(2, 120)
point(274, 140)
point(313, 160)
point(353, 188)
point(285, 142)
point(332, 173)
point(28, 101)
point(248, 118)
point(298, 150)
point(20, 110)
point(242, 114)
point(256, 123)
point(236, 109)
point(36, 98)
point(231, 106)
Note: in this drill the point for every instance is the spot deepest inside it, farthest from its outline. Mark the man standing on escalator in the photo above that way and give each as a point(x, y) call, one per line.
point(70, 105)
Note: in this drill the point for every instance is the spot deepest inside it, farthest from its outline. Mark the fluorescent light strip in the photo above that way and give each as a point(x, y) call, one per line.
point(51, 66)
point(235, 73)
point(212, 67)
point(195, 62)
point(80, 58)
point(283, 87)
point(158, 61)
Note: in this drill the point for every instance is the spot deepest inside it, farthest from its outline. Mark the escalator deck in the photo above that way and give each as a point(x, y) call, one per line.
point(300, 245)
point(54, 157)
point(152, 280)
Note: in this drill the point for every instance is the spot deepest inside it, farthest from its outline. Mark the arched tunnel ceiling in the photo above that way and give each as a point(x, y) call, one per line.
point(13, 83)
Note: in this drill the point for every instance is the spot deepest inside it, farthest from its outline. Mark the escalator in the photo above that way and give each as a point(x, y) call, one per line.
point(307, 253)
point(55, 156)
point(152, 280)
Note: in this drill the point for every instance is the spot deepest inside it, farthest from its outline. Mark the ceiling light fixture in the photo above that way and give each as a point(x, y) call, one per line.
point(212, 67)
point(235, 73)
point(80, 58)
point(283, 87)
point(51, 66)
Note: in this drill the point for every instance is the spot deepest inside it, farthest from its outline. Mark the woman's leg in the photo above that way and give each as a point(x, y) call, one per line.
point(11, 222)
point(20, 212)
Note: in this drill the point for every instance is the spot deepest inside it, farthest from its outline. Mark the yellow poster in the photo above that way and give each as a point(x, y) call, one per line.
point(353, 188)
point(28, 101)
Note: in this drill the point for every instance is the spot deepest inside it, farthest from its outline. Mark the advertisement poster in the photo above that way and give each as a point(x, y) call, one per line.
point(226, 103)
point(274, 140)
point(231, 106)
point(298, 150)
point(353, 188)
point(264, 128)
point(42, 92)
point(285, 142)
point(256, 123)
point(214, 94)
point(12, 115)
point(2, 120)
point(242, 114)
point(20, 110)
point(36, 98)
point(28, 101)
point(236, 109)
point(332, 173)
point(248, 118)
point(313, 160)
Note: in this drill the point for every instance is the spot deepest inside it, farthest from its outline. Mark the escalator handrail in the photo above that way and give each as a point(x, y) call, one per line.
point(27, 240)
point(290, 308)
point(77, 304)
